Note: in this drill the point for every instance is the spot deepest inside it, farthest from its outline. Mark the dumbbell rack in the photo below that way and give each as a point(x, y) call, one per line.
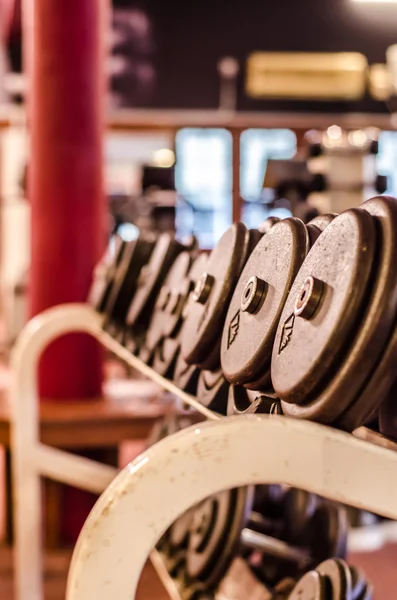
point(142, 501)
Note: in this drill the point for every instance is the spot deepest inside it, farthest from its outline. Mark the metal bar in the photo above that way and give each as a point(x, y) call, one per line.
point(166, 384)
point(77, 471)
point(273, 547)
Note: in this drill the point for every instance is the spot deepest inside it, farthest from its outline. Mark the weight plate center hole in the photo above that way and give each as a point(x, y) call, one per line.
point(253, 294)
point(308, 298)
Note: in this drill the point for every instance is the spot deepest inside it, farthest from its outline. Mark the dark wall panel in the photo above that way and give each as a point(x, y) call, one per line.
point(165, 52)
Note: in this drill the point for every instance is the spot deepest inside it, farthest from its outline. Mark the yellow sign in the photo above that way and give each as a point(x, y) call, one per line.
point(307, 76)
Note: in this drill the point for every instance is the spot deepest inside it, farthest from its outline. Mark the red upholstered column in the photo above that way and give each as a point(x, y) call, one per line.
point(65, 59)
point(64, 53)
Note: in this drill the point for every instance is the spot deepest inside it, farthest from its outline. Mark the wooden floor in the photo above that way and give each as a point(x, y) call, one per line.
point(150, 587)
point(380, 568)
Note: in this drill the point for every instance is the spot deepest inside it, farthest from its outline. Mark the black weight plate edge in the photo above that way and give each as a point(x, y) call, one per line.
point(333, 526)
point(315, 583)
point(214, 393)
point(228, 542)
point(309, 403)
point(126, 279)
point(105, 283)
point(242, 401)
point(205, 351)
point(186, 376)
point(299, 506)
point(160, 318)
point(254, 372)
point(338, 572)
point(359, 583)
point(165, 366)
point(140, 309)
point(367, 397)
point(327, 402)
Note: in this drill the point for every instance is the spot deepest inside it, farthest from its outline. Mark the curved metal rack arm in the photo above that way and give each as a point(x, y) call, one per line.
point(185, 468)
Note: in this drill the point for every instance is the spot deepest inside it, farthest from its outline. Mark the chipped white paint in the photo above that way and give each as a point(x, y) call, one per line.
point(184, 468)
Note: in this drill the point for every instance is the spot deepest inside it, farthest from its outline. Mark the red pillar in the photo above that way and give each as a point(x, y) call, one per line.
point(65, 176)
point(64, 58)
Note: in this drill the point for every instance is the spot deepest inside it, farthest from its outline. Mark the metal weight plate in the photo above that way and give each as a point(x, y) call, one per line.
point(135, 256)
point(388, 414)
point(242, 401)
point(359, 583)
point(165, 357)
point(326, 532)
point(283, 589)
point(213, 391)
point(276, 408)
point(170, 301)
point(200, 338)
point(258, 299)
point(339, 575)
point(368, 593)
point(314, 233)
point(179, 531)
point(322, 308)
point(269, 500)
point(311, 586)
point(186, 376)
point(151, 278)
point(104, 273)
point(132, 341)
point(266, 226)
point(215, 535)
point(299, 507)
point(322, 221)
point(378, 392)
point(372, 338)
point(316, 226)
point(347, 400)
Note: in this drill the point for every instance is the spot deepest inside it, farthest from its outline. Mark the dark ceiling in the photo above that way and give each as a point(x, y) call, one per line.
point(189, 37)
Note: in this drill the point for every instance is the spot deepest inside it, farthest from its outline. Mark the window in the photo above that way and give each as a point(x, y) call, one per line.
point(387, 159)
point(257, 146)
point(203, 178)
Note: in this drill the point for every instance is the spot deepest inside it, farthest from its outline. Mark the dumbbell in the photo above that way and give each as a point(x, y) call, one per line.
point(258, 300)
point(334, 347)
point(135, 257)
point(168, 307)
point(200, 338)
point(208, 537)
point(163, 336)
point(331, 580)
point(305, 523)
point(104, 273)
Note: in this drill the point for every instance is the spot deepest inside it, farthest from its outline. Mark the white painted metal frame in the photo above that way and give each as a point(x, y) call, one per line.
point(31, 459)
point(146, 497)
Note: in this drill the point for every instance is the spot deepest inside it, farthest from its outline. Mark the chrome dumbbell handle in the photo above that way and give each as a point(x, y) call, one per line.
point(273, 547)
